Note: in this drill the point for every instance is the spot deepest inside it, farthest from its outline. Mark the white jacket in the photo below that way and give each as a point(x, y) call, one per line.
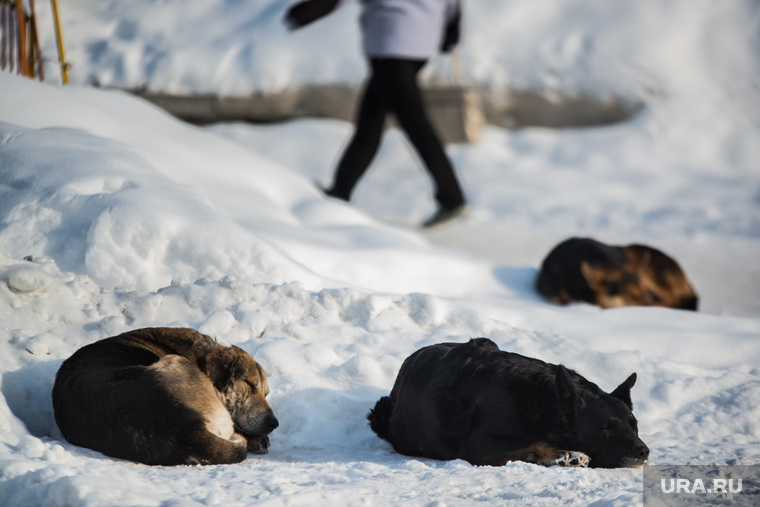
point(411, 29)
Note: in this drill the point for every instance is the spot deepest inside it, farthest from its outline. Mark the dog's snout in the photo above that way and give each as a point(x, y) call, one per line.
point(643, 452)
point(271, 423)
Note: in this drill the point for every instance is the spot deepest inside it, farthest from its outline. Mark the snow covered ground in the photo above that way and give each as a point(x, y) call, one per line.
point(114, 216)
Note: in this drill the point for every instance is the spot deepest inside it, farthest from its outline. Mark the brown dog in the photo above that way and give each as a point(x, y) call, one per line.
point(164, 396)
point(583, 269)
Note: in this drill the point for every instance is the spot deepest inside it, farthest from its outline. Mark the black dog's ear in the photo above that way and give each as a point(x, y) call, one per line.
point(623, 391)
point(567, 395)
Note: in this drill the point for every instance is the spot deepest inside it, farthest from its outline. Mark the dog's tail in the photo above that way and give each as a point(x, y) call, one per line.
point(380, 417)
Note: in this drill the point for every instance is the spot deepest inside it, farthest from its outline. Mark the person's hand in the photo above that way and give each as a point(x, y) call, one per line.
point(307, 11)
point(294, 16)
point(451, 34)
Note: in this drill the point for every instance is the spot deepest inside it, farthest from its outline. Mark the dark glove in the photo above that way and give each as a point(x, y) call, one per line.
point(308, 11)
point(451, 34)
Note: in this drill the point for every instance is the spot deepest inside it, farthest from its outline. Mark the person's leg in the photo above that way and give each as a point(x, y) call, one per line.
point(363, 146)
point(399, 79)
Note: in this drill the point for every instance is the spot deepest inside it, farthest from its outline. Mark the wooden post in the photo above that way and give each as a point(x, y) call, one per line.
point(3, 35)
point(34, 43)
point(11, 39)
point(23, 62)
point(59, 39)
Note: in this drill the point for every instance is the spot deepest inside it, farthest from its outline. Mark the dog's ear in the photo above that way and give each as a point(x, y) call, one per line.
point(593, 276)
point(238, 366)
point(223, 368)
point(567, 395)
point(623, 391)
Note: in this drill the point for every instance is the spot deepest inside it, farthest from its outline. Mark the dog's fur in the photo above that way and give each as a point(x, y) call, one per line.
point(475, 402)
point(164, 396)
point(583, 269)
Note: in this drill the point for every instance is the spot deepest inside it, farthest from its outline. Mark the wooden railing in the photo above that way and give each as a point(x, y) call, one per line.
point(20, 51)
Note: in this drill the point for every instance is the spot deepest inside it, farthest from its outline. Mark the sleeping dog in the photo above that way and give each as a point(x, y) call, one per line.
point(164, 396)
point(583, 269)
point(475, 402)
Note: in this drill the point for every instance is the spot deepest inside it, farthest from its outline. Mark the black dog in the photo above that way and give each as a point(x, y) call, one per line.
point(474, 402)
point(583, 269)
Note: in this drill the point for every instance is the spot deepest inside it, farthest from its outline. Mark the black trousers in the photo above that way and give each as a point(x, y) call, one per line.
point(393, 88)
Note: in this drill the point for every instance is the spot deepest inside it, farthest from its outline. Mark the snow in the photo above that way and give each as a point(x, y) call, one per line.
point(114, 216)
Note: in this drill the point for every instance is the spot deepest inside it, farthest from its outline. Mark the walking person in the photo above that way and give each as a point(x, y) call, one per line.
point(399, 37)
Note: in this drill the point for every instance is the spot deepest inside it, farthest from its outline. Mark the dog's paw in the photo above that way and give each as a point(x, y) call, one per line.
point(572, 459)
point(258, 445)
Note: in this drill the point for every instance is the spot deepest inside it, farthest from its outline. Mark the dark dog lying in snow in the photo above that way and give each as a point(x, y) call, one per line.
point(474, 402)
point(583, 269)
point(164, 396)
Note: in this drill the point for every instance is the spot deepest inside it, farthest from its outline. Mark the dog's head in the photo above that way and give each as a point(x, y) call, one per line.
point(601, 425)
point(663, 278)
point(243, 386)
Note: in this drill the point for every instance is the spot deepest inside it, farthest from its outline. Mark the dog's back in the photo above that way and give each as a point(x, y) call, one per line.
point(428, 412)
point(431, 407)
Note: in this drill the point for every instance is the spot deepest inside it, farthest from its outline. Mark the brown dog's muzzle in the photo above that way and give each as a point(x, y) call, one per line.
point(269, 424)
